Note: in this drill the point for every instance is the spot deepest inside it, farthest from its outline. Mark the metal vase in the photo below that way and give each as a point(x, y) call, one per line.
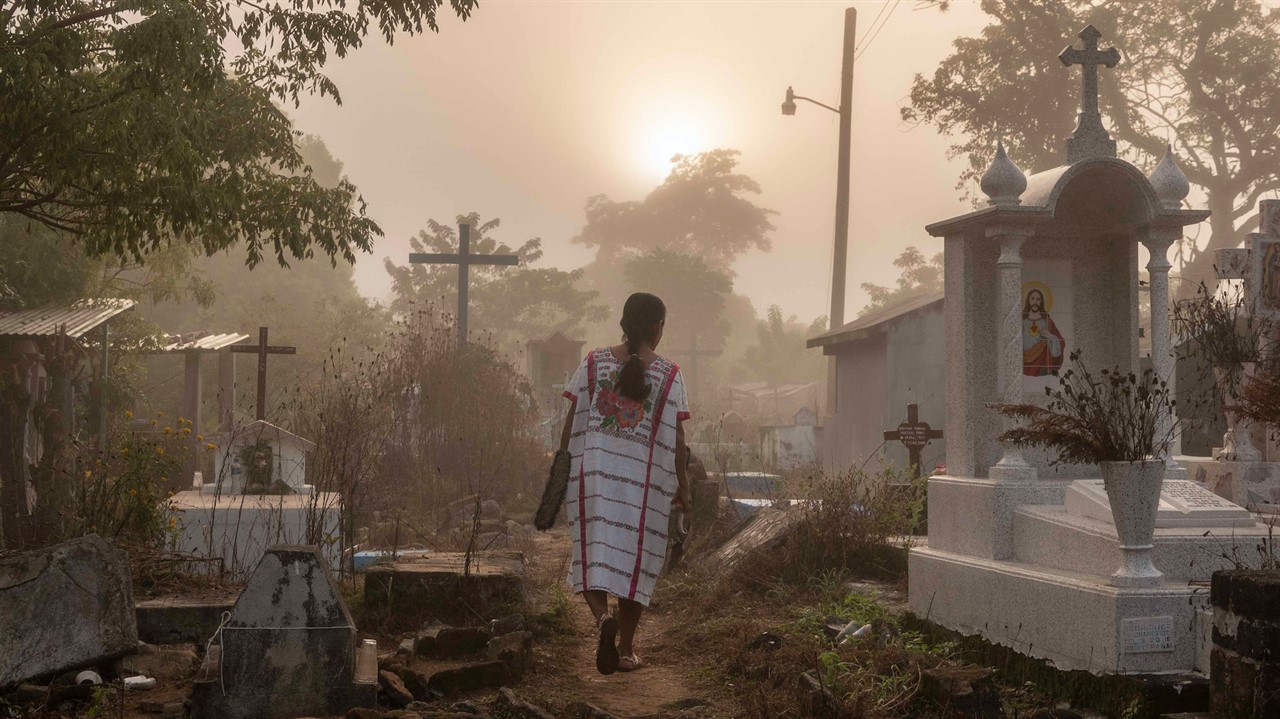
point(1133, 489)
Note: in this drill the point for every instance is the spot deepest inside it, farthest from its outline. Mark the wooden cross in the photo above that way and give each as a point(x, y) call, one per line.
point(463, 259)
point(262, 349)
point(914, 435)
point(1090, 138)
point(693, 353)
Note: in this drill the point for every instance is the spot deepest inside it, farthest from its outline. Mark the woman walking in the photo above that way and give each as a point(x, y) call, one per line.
point(624, 432)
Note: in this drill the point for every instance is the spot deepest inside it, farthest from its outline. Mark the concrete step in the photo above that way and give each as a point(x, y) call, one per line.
point(1048, 536)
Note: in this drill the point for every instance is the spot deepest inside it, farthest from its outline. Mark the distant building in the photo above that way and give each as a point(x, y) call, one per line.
point(773, 404)
point(792, 446)
point(886, 360)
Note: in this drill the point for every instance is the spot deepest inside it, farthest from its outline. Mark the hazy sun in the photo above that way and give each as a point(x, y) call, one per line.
point(667, 134)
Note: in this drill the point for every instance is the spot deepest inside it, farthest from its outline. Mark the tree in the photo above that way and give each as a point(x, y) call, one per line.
point(694, 291)
point(919, 277)
point(517, 304)
point(699, 210)
point(779, 354)
point(1205, 74)
point(131, 124)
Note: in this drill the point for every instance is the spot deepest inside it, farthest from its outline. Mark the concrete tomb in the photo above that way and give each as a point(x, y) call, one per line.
point(1021, 550)
point(257, 497)
point(287, 649)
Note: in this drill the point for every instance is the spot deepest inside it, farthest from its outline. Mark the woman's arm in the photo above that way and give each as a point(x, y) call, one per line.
point(568, 425)
point(682, 499)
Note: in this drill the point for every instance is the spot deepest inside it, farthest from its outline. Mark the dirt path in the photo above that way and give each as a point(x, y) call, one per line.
point(649, 691)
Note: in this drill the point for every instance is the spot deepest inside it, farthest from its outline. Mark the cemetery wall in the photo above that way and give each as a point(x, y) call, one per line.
point(1244, 677)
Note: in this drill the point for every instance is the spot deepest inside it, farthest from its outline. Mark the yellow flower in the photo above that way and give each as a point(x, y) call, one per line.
point(211, 445)
point(124, 452)
point(153, 423)
point(186, 430)
point(159, 414)
point(181, 420)
point(87, 474)
point(199, 437)
point(160, 451)
point(133, 493)
point(168, 430)
point(128, 414)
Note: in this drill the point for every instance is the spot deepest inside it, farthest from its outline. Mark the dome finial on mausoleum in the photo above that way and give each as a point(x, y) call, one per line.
point(1170, 184)
point(1003, 182)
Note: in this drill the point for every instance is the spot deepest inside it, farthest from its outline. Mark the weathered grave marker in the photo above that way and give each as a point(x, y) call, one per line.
point(914, 435)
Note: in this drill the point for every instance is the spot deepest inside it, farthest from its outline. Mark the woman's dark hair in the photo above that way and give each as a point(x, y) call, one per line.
point(641, 316)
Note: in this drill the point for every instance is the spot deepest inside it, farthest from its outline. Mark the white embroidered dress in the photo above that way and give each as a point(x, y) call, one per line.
point(622, 477)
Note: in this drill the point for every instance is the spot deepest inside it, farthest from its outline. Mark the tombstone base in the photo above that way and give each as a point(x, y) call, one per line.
point(1073, 621)
point(436, 588)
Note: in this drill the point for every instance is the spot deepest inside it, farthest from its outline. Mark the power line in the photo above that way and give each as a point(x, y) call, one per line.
point(867, 44)
point(883, 6)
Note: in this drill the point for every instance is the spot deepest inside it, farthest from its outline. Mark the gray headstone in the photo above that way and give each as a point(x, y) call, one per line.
point(64, 606)
point(288, 648)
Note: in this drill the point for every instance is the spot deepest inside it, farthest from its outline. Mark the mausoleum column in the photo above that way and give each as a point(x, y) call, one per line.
point(1012, 465)
point(1158, 241)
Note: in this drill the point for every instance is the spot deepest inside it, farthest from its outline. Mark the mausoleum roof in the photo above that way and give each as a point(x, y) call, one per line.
point(260, 429)
point(75, 319)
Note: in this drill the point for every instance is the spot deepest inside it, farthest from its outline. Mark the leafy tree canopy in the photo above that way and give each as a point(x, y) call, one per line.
point(1205, 75)
point(133, 124)
point(779, 354)
point(516, 303)
point(694, 291)
point(919, 277)
point(701, 209)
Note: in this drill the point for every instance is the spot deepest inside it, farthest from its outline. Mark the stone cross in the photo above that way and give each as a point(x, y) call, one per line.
point(262, 349)
point(914, 435)
point(463, 259)
point(1090, 138)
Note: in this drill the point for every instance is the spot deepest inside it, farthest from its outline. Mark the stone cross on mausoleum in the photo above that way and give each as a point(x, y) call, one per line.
point(463, 259)
point(1090, 138)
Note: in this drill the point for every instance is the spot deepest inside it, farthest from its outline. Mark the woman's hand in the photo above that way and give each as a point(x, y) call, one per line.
point(682, 500)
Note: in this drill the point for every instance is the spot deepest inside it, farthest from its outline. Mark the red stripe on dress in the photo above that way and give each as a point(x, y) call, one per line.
point(661, 404)
point(582, 467)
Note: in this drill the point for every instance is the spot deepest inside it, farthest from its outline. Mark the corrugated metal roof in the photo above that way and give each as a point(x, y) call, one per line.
point(75, 320)
point(858, 327)
point(201, 341)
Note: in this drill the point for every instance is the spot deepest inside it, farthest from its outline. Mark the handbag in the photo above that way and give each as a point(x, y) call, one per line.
point(553, 493)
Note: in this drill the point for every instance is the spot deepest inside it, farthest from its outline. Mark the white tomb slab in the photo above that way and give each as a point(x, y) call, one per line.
point(1183, 503)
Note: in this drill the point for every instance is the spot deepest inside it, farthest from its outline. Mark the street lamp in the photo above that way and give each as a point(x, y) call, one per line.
point(840, 254)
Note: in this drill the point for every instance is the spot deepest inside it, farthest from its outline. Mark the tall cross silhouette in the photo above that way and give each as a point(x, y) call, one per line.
point(463, 259)
point(1090, 138)
point(262, 349)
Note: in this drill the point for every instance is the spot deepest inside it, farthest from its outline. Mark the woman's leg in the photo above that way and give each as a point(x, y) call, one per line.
point(628, 619)
point(598, 600)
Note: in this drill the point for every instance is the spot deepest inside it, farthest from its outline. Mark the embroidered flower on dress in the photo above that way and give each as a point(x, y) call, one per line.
point(615, 409)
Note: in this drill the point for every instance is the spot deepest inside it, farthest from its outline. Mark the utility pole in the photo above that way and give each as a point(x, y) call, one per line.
point(840, 255)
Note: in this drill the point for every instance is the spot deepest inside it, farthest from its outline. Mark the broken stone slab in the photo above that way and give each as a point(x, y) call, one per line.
point(397, 694)
point(762, 531)
point(288, 648)
point(163, 662)
point(416, 682)
point(470, 678)
point(968, 689)
point(506, 625)
point(509, 704)
point(64, 606)
point(443, 641)
point(514, 649)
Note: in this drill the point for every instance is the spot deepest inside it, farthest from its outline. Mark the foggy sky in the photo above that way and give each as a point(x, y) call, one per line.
point(529, 107)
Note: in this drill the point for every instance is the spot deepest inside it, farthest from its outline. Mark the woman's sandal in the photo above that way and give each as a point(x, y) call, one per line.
point(606, 649)
point(629, 663)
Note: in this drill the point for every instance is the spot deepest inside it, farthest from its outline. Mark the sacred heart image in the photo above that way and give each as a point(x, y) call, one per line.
point(1043, 346)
